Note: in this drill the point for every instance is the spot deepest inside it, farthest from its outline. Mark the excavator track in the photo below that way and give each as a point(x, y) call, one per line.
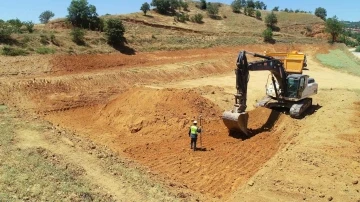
point(297, 110)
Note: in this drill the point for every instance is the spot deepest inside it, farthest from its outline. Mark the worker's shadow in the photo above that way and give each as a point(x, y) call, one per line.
point(269, 124)
point(201, 149)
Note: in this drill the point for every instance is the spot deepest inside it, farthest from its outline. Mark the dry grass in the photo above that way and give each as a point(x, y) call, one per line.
point(231, 29)
point(35, 173)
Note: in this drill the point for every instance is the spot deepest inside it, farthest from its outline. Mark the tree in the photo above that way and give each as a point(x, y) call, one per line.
point(258, 14)
point(258, 5)
point(268, 35)
point(162, 6)
point(334, 27)
point(321, 13)
point(263, 5)
point(203, 4)
point(212, 9)
point(174, 4)
point(271, 20)
point(286, 10)
point(82, 14)
point(236, 6)
point(165, 6)
point(243, 3)
point(250, 3)
point(145, 7)
point(115, 31)
point(276, 8)
point(46, 16)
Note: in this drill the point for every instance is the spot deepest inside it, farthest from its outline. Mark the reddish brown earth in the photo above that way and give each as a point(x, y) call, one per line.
point(151, 126)
point(104, 98)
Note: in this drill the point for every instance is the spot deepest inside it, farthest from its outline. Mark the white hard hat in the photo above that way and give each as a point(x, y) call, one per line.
point(195, 121)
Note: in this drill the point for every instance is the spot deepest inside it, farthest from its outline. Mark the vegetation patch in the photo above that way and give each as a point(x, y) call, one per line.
point(10, 51)
point(35, 173)
point(340, 60)
point(45, 50)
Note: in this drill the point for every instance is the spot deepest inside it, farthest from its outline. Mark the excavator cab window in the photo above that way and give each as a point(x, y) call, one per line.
point(293, 87)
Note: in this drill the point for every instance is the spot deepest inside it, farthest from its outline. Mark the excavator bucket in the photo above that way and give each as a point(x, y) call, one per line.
point(236, 121)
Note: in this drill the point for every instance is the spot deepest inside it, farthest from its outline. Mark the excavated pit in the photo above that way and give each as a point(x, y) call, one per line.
point(151, 125)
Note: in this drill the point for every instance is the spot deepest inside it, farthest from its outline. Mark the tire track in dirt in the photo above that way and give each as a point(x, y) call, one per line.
point(94, 173)
point(151, 126)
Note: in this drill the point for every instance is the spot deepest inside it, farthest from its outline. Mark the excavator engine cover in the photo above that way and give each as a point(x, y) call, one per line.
point(236, 121)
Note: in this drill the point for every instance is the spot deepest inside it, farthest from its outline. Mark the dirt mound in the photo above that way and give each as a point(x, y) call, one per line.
point(138, 109)
point(151, 126)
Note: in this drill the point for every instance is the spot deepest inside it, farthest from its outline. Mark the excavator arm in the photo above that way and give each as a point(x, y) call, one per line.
point(242, 76)
point(236, 119)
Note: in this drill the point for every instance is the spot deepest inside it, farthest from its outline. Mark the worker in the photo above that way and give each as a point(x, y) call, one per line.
point(194, 130)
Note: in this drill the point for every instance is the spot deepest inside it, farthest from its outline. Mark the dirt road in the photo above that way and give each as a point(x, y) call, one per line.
point(357, 54)
point(140, 108)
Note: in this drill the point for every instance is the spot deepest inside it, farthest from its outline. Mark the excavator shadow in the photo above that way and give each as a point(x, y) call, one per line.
point(310, 111)
point(269, 124)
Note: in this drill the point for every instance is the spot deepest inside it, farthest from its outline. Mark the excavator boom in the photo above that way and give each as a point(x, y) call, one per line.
point(237, 118)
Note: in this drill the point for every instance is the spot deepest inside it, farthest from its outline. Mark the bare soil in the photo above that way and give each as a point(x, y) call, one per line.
point(140, 107)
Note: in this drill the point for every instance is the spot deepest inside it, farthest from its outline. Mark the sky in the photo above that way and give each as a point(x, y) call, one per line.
point(29, 10)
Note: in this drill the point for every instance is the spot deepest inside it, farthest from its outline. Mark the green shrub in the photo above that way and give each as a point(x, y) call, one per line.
point(54, 40)
point(44, 39)
point(357, 49)
point(268, 34)
point(26, 39)
point(271, 20)
point(250, 11)
point(45, 50)
point(212, 9)
point(9, 51)
point(29, 26)
point(115, 31)
point(16, 24)
point(197, 18)
point(5, 31)
point(258, 14)
point(181, 17)
point(78, 36)
point(236, 6)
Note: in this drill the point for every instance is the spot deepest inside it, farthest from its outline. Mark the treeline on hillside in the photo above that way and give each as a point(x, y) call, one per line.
point(349, 24)
point(82, 16)
point(277, 8)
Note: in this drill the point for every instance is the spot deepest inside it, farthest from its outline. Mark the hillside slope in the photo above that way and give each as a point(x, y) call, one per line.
point(163, 32)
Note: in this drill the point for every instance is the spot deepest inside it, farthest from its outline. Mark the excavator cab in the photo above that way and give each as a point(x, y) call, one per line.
point(296, 83)
point(293, 87)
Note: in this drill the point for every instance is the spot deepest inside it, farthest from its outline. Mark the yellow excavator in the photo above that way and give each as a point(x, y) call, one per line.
point(289, 87)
